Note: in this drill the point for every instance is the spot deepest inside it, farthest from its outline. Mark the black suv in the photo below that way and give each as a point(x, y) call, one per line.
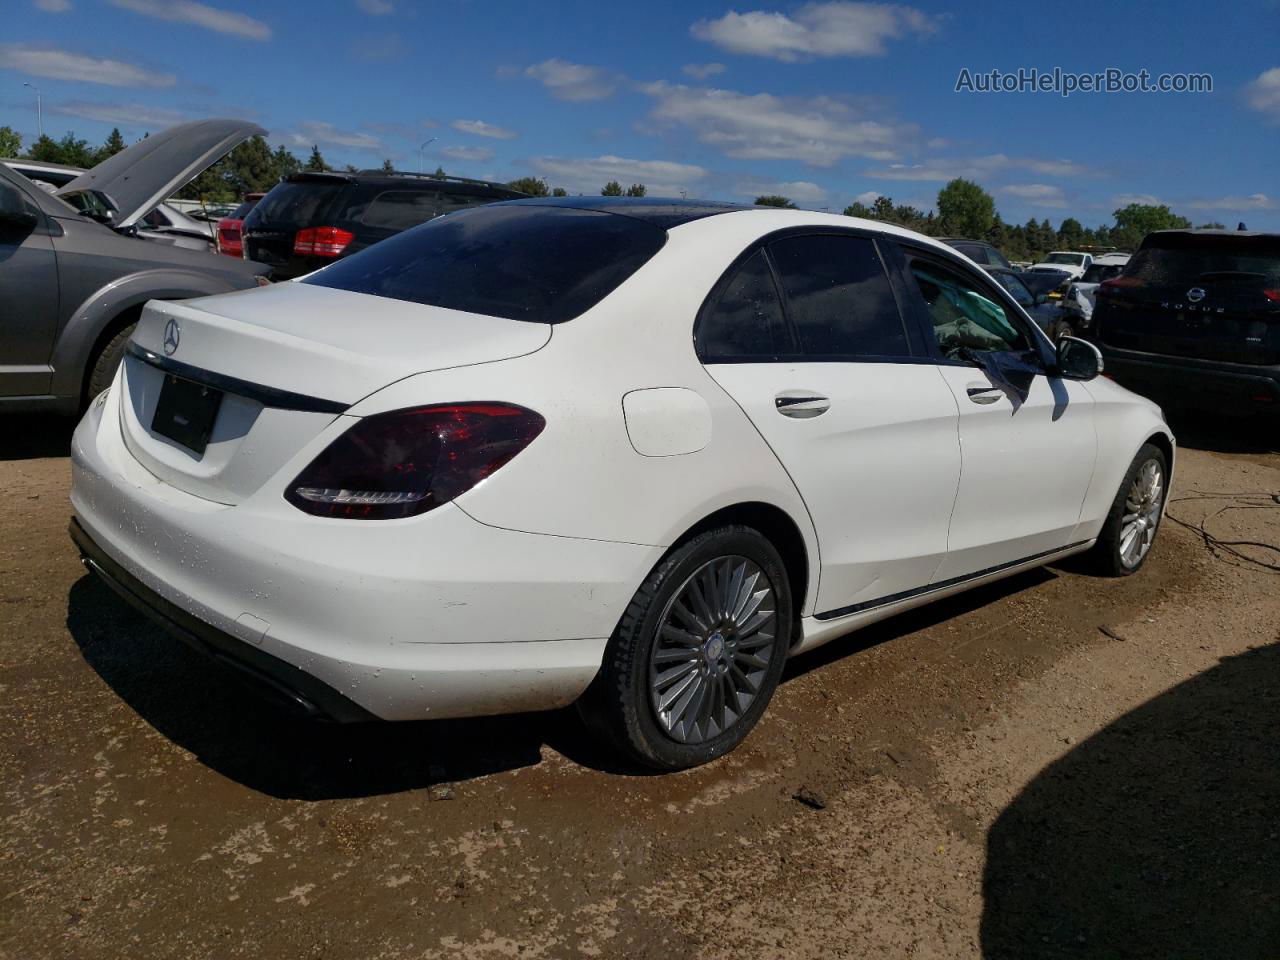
point(979, 251)
point(310, 219)
point(1195, 318)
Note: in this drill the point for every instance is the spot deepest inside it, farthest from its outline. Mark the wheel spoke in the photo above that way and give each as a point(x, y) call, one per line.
point(682, 637)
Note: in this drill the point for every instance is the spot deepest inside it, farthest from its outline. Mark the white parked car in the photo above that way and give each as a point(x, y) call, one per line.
point(1071, 265)
point(1077, 304)
point(632, 453)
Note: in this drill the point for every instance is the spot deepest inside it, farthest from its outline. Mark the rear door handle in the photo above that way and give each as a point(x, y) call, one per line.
point(983, 392)
point(801, 404)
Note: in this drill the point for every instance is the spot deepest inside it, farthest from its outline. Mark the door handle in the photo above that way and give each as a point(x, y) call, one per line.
point(983, 393)
point(801, 404)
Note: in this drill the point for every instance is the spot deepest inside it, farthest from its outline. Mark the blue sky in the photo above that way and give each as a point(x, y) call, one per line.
point(824, 102)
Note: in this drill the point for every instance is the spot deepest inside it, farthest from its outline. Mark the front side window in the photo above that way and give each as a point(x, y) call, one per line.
point(838, 297)
point(964, 318)
point(745, 322)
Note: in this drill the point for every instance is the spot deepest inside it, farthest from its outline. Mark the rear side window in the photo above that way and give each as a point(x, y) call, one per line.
point(400, 209)
point(450, 202)
point(974, 252)
point(295, 202)
point(542, 264)
point(838, 297)
point(746, 321)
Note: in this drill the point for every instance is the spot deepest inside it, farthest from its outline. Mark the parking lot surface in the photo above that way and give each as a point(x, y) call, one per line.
point(1053, 766)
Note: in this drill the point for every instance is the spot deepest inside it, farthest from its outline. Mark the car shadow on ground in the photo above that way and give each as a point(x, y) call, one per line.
point(1158, 837)
point(31, 436)
point(1199, 430)
point(206, 709)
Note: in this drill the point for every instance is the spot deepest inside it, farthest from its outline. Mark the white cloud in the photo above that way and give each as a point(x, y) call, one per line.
point(468, 154)
point(700, 71)
point(840, 29)
point(803, 192)
point(868, 197)
point(1143, 199)
point(131, 116)
point(589, 174)
point(64, 65)
point(572, 81)
point(975, 168)
point(53, 6)
point(308, 134)
point(376, 8)
point(481, 129)
point(819, 131)
point(200, 15)
point(1263, 94)
point(1254, 201)
point(1036, 194)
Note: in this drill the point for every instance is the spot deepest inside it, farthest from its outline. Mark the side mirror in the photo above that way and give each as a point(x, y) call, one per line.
point(16, 215)
point(1078, 359)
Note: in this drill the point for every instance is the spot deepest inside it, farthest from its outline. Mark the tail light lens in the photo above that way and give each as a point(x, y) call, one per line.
point(321, 241)
point(1272, 295)
point(407, 462)
point(229, 241)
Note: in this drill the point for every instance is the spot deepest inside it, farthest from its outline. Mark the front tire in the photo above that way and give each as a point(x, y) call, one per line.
point(1131, 525)
point(698, 653)
point(106, 362)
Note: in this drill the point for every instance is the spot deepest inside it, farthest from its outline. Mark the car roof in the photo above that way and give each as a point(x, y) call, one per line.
point(662, 212)
point(399, 178)
point(1206, 232)
point(981, 243)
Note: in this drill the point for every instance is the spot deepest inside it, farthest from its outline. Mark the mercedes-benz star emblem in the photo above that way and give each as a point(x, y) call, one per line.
point(1195, 294)
point(171, 337)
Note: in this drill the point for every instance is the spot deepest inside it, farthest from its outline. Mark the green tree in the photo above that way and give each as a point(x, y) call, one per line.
point(10, 142)
point(612, 189)
point(965, 209)
point(388, 166)
point(316, 160)
point(559, 192)
point(1071, 233)
point(533, 186)
point(111, 146)
point(1212, 225)
point(858, 209)
point(283, 163)
point(439, 172)
point(773, 200)
point(636, 190)
point(1138, 219)
point(251, 167)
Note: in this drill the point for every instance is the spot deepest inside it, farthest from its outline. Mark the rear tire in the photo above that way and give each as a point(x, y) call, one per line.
point(1134, 519)
point(103, 370)
point(698, 653)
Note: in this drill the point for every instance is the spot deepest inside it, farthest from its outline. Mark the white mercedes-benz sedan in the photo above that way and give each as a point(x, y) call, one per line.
point(632, 454)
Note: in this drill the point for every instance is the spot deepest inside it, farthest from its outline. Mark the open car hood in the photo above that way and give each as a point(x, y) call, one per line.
point(141, 176)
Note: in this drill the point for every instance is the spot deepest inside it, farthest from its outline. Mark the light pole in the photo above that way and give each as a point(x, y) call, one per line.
point(39, 107)
point(423, 147)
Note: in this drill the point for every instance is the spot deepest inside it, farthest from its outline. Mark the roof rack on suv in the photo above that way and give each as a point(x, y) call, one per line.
point(430, 176)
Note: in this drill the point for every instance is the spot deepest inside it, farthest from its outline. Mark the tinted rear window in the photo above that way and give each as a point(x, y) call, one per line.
point(400, 209)
point(1101, 271)
point(542, 264)
point(242, 211)
point(1184, 258)
point(295, 202)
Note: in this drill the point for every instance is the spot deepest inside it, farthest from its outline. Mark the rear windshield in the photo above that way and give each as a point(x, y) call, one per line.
point(542, 264)
point(295, 202)
point(1183, 258)
point(1101, 271)
point(242, 211)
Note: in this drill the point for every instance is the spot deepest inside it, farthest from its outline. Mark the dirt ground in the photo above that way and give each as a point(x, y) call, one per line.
point(1054, 766)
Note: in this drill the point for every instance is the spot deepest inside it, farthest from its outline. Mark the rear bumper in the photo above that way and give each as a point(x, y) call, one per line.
point(433, 616)
point(1187, 381)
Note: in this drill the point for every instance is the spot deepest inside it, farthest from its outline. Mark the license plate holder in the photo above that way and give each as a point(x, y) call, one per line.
point(185, 413)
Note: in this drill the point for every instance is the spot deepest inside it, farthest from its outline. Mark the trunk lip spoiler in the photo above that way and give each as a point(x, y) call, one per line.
point(263, 394)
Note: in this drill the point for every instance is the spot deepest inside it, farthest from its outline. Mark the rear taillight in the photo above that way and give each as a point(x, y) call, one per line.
point(321, 241)
point(229, 241)
point(1272, 295)
point(1119, 283)
point(407, 462)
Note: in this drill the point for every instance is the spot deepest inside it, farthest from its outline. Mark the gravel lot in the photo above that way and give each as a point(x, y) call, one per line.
point(1055, 766)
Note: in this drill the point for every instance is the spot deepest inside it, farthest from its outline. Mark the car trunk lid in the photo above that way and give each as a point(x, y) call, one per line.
point(1207, 296)
point(283, 361)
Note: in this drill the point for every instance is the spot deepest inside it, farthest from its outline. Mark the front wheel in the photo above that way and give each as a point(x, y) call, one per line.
point(1130, 528)
point(698, 653)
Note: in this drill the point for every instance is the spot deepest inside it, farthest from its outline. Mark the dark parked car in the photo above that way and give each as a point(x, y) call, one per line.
point(229, 227)
point(75, 270)
point(980, 252)
point(1045, 312)
point(310, 219)
point(1195, 318)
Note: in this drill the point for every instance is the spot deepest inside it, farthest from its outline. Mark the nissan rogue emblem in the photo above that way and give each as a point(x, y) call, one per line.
point(171, 337)
point(1195, 294)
